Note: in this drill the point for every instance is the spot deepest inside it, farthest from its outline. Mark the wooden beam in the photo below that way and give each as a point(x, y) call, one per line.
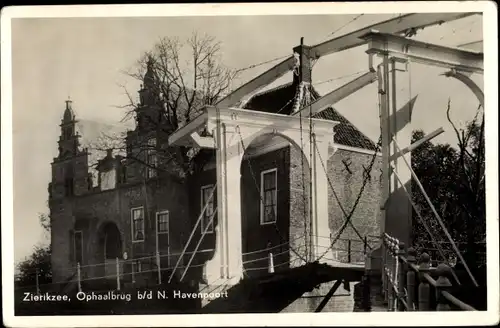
point(475, 45)
point(399, 24)
point(184, 133)
point(423, 52)
point(328, 296)
point(395, 25)
point(416, 144)
point(202, 142)
point(339, 94)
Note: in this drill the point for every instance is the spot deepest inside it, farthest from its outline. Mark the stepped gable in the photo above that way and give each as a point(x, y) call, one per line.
point(96, 136)
point(278, 99)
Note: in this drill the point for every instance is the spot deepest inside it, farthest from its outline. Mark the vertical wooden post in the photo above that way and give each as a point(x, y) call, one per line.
point(271, 263)
point(442, 284)
point(36, 282)
point(133, 271)
point(158, 266)
point(410, 279)
point(384, 267)
point(79, 276)
point(390, 272)
point(401, 276)
point(423, 287)
point(118, 274)
point(366, 301)
point(394, 273)
point(348, 251)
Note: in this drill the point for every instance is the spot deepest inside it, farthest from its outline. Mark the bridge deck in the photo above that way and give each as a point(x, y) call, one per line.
point(272, 292)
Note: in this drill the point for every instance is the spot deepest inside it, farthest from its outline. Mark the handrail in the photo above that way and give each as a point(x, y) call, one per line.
point(458, 303)
point(400, 272)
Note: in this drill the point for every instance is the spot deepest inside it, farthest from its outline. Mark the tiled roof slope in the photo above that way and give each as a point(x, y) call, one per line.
point(278, 99)
point(345, 132)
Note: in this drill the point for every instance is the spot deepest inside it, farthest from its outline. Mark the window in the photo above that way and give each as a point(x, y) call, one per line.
point(67, 134)
point(268, 190)
point(162, 222)
point(138, 224)
point(206, 192)
point(78, 246)
point(151, 158)
point(68, 186)
point(108, 180)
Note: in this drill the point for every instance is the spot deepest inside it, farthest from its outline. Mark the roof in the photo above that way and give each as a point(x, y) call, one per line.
point(281, 100)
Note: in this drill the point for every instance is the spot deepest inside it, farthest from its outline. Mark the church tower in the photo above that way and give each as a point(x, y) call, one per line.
point(150, 112)
point(70, 175)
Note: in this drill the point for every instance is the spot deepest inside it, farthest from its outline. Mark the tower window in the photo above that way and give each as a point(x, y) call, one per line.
point(67, 133)
point(68, 186)
point(151, 158)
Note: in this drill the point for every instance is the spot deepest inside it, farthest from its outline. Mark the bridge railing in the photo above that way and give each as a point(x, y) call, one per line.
point(412, 284)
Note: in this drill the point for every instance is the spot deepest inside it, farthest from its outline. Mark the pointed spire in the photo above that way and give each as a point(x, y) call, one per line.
point(69, 115)
point(149, 77)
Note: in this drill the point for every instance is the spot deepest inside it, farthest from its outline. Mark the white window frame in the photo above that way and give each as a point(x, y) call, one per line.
point(202, 205)
point(74, 245)
point(168, 222)
point(132, 224)
point(262, 198)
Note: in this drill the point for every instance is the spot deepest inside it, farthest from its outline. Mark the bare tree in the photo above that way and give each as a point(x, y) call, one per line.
point(186, 76)
point(471, 190)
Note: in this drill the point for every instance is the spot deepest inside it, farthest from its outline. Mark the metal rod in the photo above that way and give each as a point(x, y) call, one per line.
point(422, 220)
point(192, 234)
point(417, 144)
point(79, 276)
point(198, 244)
point(158, 265)
point(36, 282)
point(117, 274)
point(438, 217)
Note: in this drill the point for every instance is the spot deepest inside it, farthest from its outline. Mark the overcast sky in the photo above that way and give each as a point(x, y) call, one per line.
point(53, 58)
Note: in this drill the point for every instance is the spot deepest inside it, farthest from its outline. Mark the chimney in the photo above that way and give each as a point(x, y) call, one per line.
point(303, 72)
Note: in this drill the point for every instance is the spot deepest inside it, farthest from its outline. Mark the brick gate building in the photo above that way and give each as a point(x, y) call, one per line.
point(141, 205)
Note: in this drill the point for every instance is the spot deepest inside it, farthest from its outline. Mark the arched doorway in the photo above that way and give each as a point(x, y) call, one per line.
point(275, 204)
point(109, 248)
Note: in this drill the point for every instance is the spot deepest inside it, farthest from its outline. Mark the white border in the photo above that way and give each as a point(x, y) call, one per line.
point(262, 196)
point(211, 228)
point(132, 225)
point(489, 11)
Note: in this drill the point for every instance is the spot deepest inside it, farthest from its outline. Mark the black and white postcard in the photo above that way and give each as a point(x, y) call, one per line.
point(250, 164)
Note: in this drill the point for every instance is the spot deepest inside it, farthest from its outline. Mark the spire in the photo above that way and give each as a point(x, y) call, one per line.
point(149, 77)
point(69, 115)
